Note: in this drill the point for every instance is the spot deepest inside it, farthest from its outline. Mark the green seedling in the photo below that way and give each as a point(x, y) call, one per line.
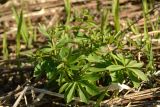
point(115, 11)
point(24, 28)
point(68, 10)
point(5, 47)
point(147, 39)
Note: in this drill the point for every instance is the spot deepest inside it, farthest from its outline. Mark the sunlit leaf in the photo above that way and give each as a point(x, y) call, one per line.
point(62, 42)
point(64, 52)
point(134, 79)
point(83, 94)
point(63, 87)
point(94, 69)
point(115, 67)
point(91, 77)
point(139, 74)
point(95, 58)
point(71, 92)
point(134, 64)
point(43, 30)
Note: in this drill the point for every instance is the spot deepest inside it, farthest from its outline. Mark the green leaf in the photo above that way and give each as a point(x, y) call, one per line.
point(90, 88)
point(43, 30)
point(80, 40)
point(85, 67)
point(134, 64)
point(94, 69)
point(62, 42)
point(50, 75)
point(134, 79)
point(63, 87)
point(95, 58)
point(126, 62)
point(73, 58)
point(118, 57)
point(91, 77)
point(75, 67)
point(115, 67)
point(68, 88)
point(91, 24)
point(64, 52)
point(38, 69)
point(46, 50)
point(19, 20)
point(139, 73)
point(23, 31)
point(80, 34)
point(71, 92)
point(83, 94)
point(117, 76)
point(113, 76)
point(61, 65)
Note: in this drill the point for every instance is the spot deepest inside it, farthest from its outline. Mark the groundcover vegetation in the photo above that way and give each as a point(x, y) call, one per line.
point(85, 57)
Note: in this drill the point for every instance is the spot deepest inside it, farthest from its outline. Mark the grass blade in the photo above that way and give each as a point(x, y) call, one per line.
point(115, 11)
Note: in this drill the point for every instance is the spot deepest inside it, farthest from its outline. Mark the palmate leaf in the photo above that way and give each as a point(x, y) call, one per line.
point(70, 91)
point(139, 74)
point(63, 87)
point(134, 79)
point(67, 90)
point(115, 67)
point(82, 94)
point(90, 88)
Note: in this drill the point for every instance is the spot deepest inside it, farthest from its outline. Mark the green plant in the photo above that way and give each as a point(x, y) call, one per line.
point(5, 47)
point(68, 10)
point(124, 66)
point(78, 58)
point(68, 66)
point(115, 11)
point(18, 43)
point(147, 38)
point(18, 35)
point(26, 30)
